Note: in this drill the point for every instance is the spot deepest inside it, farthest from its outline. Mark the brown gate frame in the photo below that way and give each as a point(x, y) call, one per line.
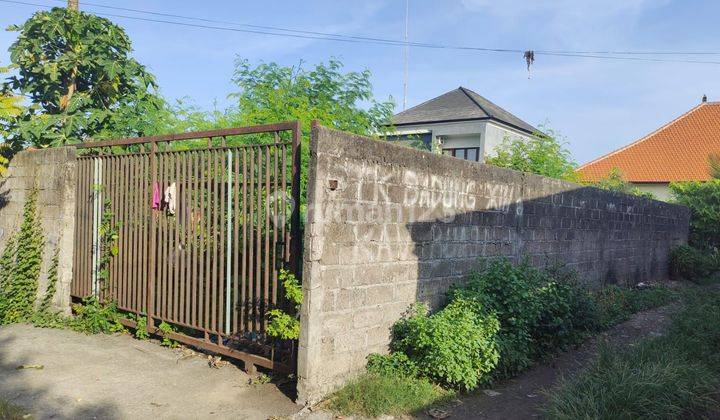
point(250, 360)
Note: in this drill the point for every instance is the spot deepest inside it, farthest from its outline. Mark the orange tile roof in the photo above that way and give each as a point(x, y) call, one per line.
point(677, 151)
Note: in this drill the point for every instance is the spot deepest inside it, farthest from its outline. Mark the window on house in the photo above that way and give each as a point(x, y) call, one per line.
point(467, 153)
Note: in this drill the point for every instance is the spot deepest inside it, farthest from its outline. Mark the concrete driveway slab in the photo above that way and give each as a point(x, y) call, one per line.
point(119, 377)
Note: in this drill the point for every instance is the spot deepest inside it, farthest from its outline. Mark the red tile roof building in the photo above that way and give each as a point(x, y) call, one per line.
point(678, 151)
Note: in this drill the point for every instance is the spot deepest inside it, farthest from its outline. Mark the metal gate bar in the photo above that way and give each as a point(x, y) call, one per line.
point(208, 260)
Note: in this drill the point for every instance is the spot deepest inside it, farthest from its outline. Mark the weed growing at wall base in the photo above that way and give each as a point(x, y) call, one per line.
point(372, 395)
point(281, 324)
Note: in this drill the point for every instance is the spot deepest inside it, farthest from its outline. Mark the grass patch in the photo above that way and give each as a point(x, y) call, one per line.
point(673, 376)
point(617, 304)
point(10, 411)
point(373, 395)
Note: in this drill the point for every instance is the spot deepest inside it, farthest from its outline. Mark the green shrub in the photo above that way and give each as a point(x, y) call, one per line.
point(141, 328)
point(703, 199)
point(393, 364)
point(614, 181)
point(280, 323)
point(538, 309)
point(374, 395)
point(454, 347)
point(94, 317)
point(164, 330)
point(693, 264)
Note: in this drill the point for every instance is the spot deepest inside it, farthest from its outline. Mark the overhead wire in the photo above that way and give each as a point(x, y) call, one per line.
point(326, 36)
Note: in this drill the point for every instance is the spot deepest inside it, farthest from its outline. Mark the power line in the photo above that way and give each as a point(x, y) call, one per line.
point(380, 41)
point(405, 42)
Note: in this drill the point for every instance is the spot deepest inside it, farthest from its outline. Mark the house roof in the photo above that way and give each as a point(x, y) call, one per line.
point(678, 151)
point(459, 104)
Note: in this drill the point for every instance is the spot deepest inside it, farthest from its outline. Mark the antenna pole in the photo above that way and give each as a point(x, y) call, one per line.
point(405, 73)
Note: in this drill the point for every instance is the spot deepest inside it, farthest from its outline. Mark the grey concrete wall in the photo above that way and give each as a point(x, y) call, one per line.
point(388, 226)
point(53, 173)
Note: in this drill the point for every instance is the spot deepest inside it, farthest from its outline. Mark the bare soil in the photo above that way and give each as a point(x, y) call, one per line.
point(118, 377)
point(524, 396)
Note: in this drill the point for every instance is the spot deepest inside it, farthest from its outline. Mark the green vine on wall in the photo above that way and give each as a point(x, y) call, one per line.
point(109, 235)
point(52, 282)
point(282, 324)
point(21, 262)
point(7, 266)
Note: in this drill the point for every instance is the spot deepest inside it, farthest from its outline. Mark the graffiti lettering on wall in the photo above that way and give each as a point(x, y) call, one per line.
point(377, 194)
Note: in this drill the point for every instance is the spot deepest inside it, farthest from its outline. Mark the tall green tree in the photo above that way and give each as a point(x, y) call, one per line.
point(270, 92)
point(543, 154)
point(77, 72)
point(10, 108)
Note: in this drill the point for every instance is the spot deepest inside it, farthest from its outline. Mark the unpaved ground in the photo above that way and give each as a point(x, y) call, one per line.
point(118, 377)
point(523, 397)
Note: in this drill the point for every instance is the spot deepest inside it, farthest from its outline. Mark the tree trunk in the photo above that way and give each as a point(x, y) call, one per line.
point(72, 85)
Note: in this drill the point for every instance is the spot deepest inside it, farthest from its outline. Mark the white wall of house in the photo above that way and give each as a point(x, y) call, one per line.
point(661, 191)
point(485, 134)
point(495, 133)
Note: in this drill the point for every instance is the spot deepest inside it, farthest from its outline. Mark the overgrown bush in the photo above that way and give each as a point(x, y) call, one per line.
point(454, 347)
point(703, 199)
point(538, 309)
point(694, 264)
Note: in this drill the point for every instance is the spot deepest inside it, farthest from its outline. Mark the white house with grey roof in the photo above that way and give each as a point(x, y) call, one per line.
point(461, 123)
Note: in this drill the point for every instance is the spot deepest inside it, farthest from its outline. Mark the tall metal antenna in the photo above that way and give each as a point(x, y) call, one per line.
point(405, 74)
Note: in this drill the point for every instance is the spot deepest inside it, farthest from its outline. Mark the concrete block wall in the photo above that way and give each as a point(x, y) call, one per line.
point(53, 173)
point(388, 226)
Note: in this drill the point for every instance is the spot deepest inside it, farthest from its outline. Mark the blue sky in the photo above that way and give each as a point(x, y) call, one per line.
point(598, 105)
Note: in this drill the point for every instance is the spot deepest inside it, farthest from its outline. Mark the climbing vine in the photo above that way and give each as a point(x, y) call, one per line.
point(282, 324)
point(109, 234)
point(7, 264)
point(52, 282)
point(21, 263)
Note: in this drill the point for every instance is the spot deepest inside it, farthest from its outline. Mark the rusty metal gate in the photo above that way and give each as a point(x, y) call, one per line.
point(194, 236)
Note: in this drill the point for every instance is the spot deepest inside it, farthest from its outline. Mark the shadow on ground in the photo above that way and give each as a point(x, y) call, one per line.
point(21, 387)
point(118, 377)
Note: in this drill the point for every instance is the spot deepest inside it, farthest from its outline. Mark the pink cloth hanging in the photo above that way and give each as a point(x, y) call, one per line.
point(156, 196)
